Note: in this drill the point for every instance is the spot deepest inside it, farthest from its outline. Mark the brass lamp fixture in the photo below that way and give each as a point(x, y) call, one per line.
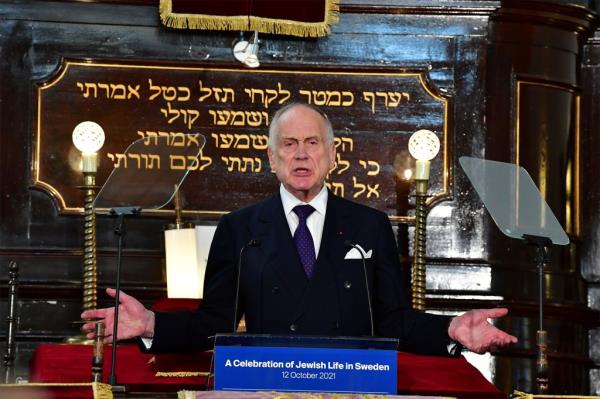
point(423, 145)
point(88, 137)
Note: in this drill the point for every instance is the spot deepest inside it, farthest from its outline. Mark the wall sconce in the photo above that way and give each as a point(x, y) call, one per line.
point(423, 145)
point(246, 52)
point(88, 137)
point(185, 268)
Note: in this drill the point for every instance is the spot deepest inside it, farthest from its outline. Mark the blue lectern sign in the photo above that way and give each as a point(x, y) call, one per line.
point(257, 368)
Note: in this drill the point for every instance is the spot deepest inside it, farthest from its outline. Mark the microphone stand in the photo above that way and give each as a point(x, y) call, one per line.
point(120, 232)
point(12, 320)
point(364, 263)
point(251, 243)
point(541, 363)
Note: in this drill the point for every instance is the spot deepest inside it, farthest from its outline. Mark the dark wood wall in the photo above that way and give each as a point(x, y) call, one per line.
point(535, 88)
point(523, 80)
point(590, 270)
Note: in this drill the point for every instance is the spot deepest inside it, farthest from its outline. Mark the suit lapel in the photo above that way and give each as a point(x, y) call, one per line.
point(337, 229)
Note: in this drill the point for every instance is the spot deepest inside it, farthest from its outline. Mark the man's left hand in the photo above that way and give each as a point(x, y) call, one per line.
point(473, 330)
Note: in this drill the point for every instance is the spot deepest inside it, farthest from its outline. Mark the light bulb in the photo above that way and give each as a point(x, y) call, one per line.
point(88, 137)
point(423, 145)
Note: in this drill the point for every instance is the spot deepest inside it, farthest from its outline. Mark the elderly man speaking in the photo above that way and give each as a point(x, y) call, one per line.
point(296, 277)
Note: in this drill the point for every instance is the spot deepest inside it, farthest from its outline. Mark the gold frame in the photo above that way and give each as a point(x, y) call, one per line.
point(573, 221)
point(420, 75)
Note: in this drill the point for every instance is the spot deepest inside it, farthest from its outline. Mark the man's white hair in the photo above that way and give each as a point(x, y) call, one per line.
point(273, 132)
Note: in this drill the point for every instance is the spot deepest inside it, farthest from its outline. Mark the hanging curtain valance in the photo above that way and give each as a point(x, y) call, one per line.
point(305, 18)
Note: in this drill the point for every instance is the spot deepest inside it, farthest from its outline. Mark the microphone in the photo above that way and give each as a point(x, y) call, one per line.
point(349, 243)
point(251, 243)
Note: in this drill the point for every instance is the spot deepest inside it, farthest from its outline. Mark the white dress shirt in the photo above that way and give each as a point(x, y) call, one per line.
point(314, 222)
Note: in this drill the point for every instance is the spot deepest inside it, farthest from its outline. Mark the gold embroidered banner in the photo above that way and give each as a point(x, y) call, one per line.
point(306, 18)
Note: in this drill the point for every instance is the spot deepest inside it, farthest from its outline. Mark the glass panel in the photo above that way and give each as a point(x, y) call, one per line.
point(513, 200)
point(152, 168)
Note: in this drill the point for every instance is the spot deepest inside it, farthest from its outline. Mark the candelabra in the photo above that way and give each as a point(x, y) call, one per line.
point(12, 320)
point(423, 145)
point(88, 137)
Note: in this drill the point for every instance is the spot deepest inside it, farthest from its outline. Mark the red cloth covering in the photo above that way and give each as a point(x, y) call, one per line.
point(50, 391)
point(137, 370)
point(417, 375)
point(446, 376)
point(175, 304)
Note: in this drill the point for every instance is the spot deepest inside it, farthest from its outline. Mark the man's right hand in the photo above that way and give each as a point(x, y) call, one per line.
point(134, 319)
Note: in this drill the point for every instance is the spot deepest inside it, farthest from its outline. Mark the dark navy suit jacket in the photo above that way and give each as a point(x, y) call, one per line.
point(277, 297)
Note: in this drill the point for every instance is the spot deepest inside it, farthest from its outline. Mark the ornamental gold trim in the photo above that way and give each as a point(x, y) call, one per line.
point(99, 390)
point(182, 374)
point(573, 215)
point(524, 395)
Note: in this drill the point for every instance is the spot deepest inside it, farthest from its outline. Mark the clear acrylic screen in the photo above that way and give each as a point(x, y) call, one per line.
point(149, 170)
point(513, 200)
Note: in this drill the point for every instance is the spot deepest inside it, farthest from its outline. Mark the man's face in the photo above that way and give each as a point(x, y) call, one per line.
point(302, 156)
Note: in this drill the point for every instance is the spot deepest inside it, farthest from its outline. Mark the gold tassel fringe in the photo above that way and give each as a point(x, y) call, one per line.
point(245, 23)
point(523, 395)
point(99, 390)
point(102, 391)
point(186, 394)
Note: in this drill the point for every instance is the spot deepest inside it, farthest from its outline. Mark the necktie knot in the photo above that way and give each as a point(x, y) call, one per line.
point(303, 211)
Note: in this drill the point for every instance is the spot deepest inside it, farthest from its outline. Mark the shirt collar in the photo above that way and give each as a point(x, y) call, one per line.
point(289, 201)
